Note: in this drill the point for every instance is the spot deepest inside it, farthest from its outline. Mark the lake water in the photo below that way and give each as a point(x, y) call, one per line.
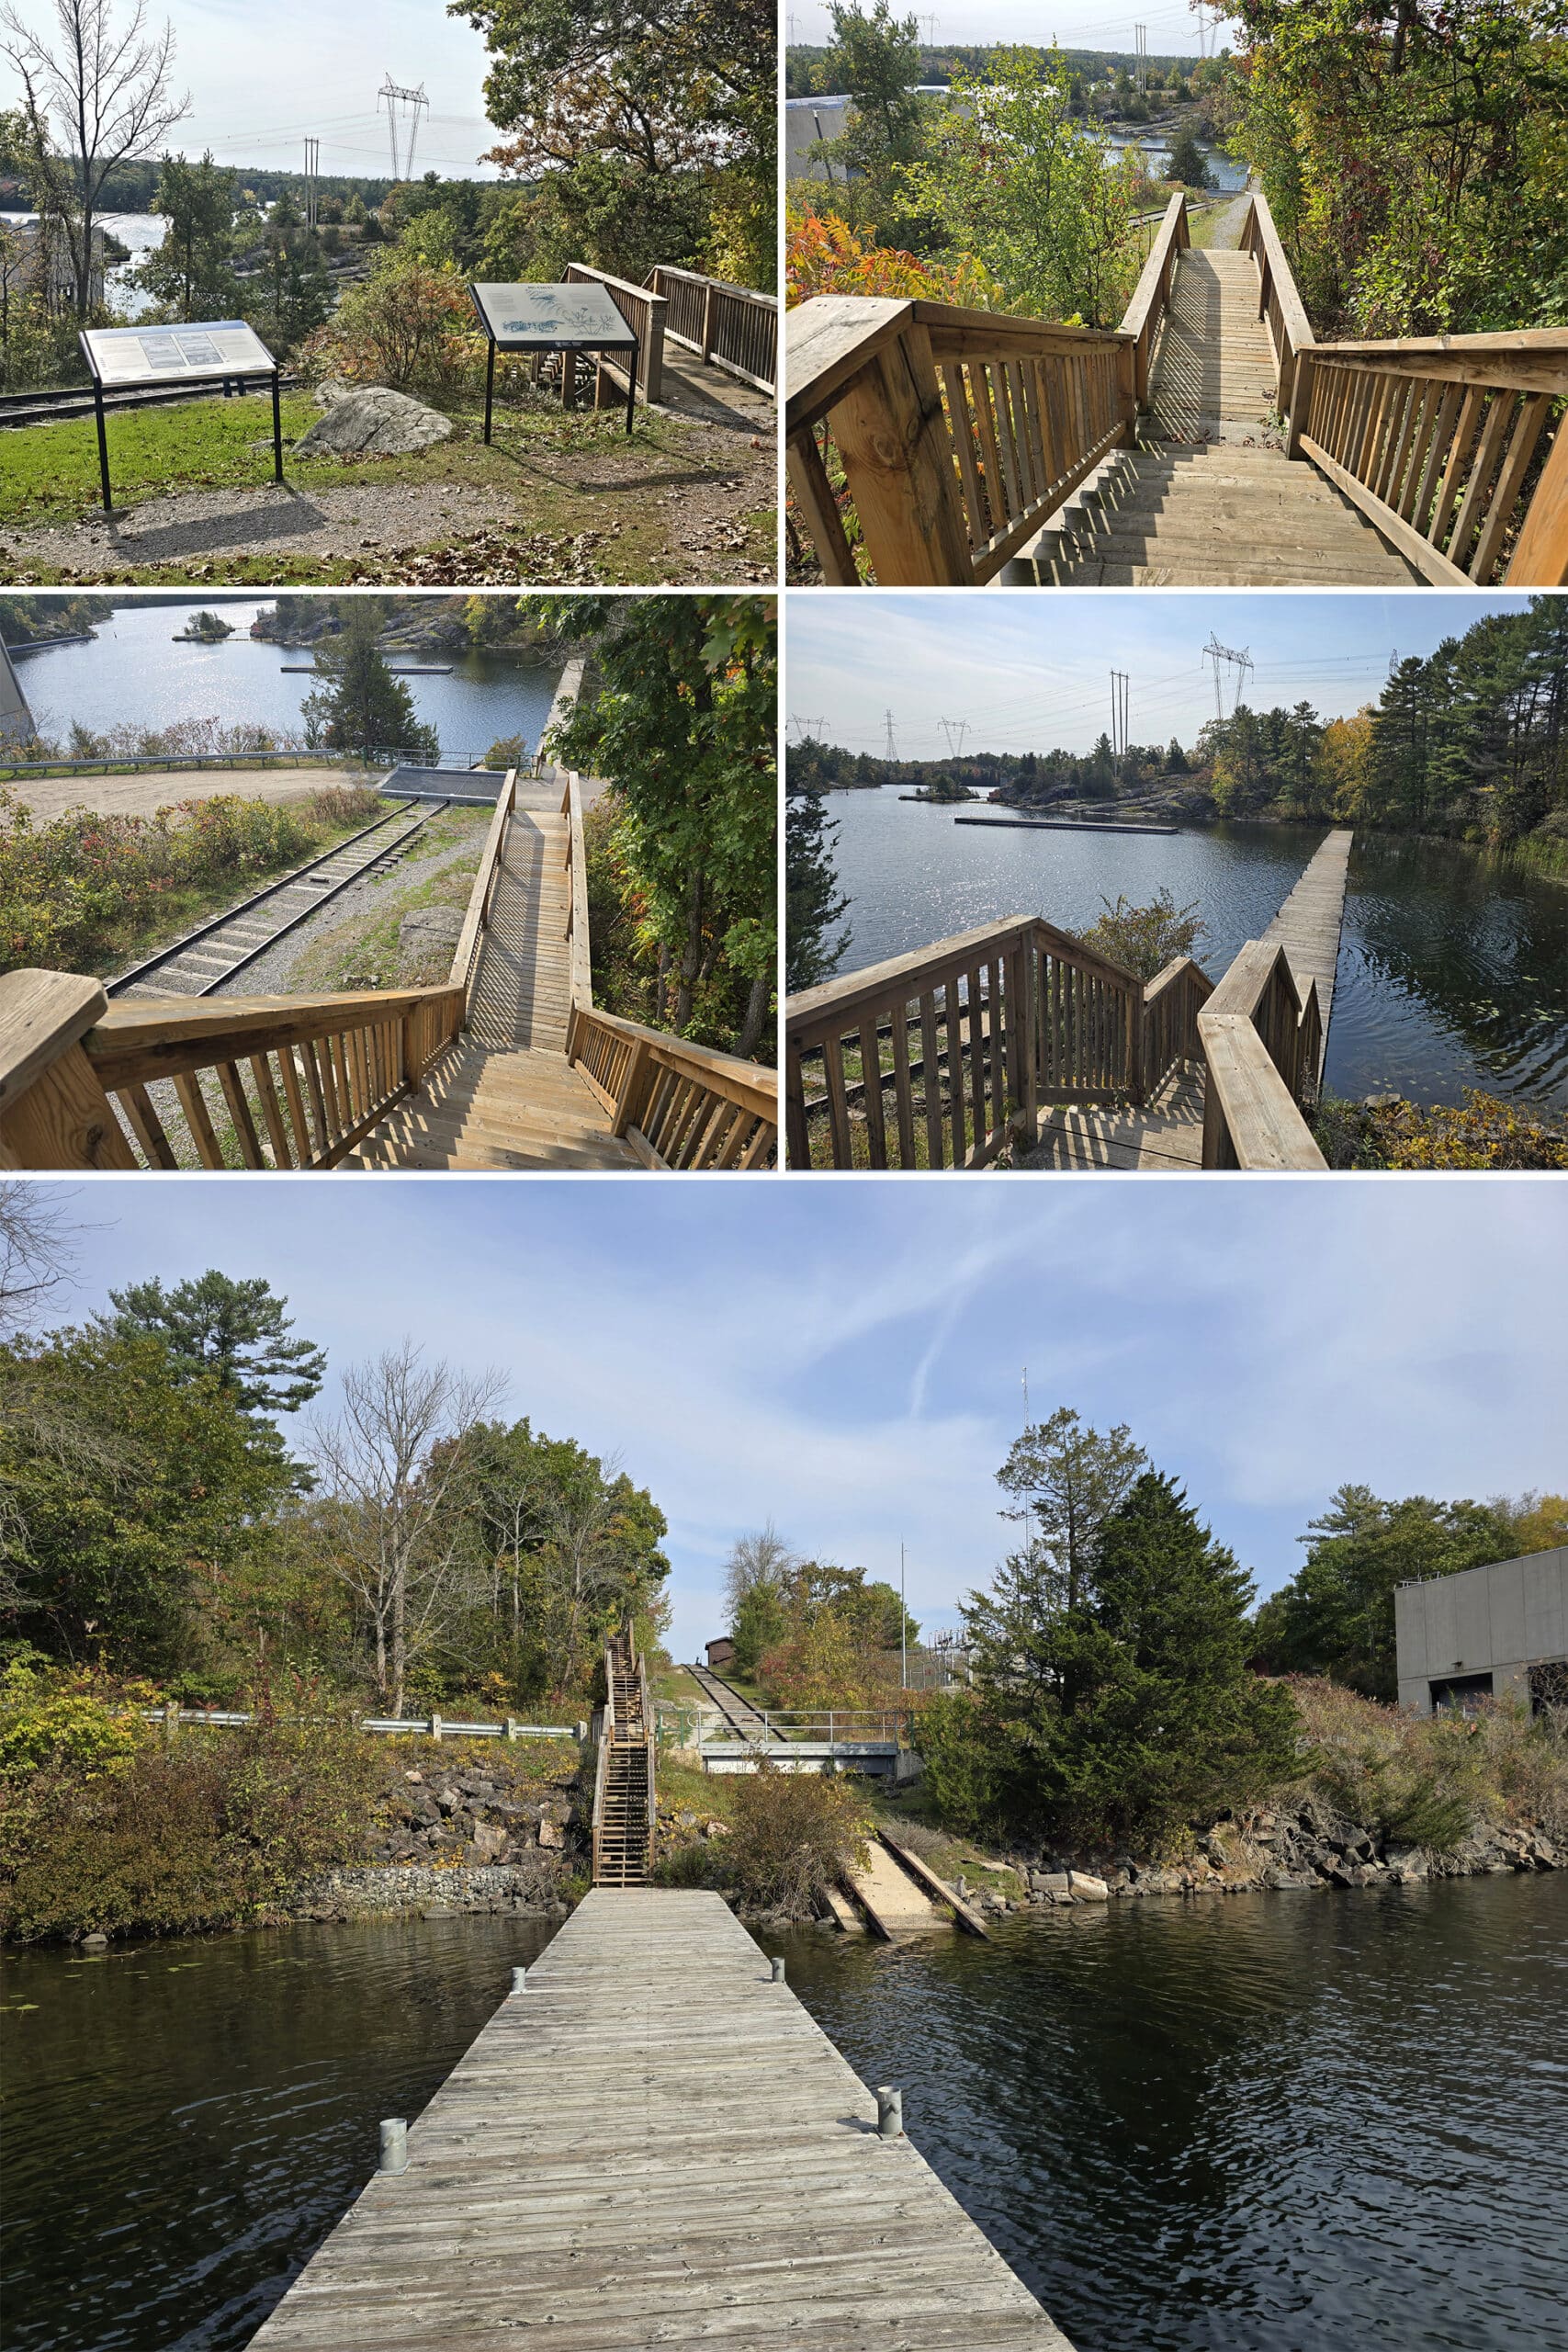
point(132, 671)
point(141, 232)
point(1454, 966)
point(1304, 2122)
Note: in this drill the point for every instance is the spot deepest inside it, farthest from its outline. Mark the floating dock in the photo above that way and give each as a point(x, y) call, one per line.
point(653, 2144)
point(1065, 825)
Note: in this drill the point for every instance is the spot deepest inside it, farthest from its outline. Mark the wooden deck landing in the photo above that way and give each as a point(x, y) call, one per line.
point(1167, 1134)
point(654, 2145)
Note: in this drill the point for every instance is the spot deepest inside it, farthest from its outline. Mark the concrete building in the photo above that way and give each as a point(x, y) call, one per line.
point(1485, 1633)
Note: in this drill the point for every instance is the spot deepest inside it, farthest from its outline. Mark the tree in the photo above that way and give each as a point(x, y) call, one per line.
point(758, 1559)
point(1335, 1615)
point(190, 272)
point(1188, 164)
point(36, 1250)
point(139, 1495)
point(110, 86)
point(812, 906)
point(235, 1332)
point(394, 1485)
point(1016, 180)
point(361, 707)
point(874, 58)
point(685, 722)
point(650, 92)
point(1065, 1480)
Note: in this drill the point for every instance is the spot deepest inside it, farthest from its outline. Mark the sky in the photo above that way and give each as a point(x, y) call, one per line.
point(263, 73)
point(847, 1357)
point(1080, 24)
point(1032, 672)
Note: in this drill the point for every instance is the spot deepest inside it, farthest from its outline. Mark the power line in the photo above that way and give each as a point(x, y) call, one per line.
point(415, 102)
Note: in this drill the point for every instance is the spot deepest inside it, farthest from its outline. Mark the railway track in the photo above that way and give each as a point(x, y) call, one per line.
point(200, 963)
point(60, 406)
point(739, 1713)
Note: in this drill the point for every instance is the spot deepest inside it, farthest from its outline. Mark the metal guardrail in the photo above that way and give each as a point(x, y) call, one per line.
point(423, 1727)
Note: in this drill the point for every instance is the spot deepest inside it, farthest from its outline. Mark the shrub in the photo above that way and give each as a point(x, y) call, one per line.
point(1144, 940)
point(963, 1753)
point(411, 325)
point(216, 1828)
point(83, 885)
point(792, 1834)
point(61, 1721)
point(1424, 1781)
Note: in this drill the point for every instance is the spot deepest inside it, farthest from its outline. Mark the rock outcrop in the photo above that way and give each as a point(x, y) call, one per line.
point(371, 420)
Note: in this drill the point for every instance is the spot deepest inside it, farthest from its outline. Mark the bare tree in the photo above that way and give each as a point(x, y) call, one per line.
point(108, 86)
point(393, 1476)
point(762, 1557)
point(36, 1237)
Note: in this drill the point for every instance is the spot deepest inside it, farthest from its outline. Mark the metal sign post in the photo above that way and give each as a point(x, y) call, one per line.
point(223, 351)
point(565, 319)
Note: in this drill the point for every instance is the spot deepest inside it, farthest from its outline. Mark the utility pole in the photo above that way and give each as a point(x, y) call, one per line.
point(1119, 683)
point(891, 750)
point(312, 166)
point(903, 1626)
point(1241, 664)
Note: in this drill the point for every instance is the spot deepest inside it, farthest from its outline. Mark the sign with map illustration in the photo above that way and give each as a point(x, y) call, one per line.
point(152, 355)
point(552, 318)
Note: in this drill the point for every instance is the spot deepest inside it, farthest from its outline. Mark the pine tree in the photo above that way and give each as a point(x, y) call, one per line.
point(360, 706)
point(813, 905)
point(235, 1332)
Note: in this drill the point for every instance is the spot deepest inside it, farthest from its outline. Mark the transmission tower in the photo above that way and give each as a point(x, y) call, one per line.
point(1120, 680)
point(891, 751)
point(950, 728)
point(810, 728)
point(1240, 664)
point(312, 166)
point(413, 102)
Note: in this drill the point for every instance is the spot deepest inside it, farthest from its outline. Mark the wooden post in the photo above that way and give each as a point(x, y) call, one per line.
point(898, 461)
point(171, 1722)
point(435, 1726)
point(708, 327)
point(1296, 401)
point(53, 1111)
point(633, 1090)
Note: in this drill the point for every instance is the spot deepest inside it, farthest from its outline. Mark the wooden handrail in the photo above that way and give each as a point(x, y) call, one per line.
point(643, 311)
point(993, 1023)
point(257, 1082)
point(1280, 306)
point(602, 1762)
point(581, 979)
point(957, 432)
point(732, 327)
point(477, 913)
point(1261, 1036)
point(1151, 296)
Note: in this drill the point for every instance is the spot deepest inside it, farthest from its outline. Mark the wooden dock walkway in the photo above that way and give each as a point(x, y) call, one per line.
point(1309, 923)
point(655, 2144)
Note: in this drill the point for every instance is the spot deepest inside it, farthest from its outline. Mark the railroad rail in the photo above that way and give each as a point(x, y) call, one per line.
point(745, 1720)
point(198, 965)
point(64, 404)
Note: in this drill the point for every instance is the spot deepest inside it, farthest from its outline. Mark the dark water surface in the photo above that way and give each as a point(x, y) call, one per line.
point(1280, 2123)
point(132, 671)
point(1453, 965)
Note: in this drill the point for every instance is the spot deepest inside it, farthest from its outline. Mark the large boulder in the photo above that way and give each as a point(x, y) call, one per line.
point(371, 420)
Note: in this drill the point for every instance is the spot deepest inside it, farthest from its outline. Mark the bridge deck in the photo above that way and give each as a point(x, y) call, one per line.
point(1309, 923)
point(506, 1096)
point(654, 2145)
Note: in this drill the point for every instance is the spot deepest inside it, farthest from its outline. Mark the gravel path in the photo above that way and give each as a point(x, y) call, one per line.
point(140, 795)
point(363, 903)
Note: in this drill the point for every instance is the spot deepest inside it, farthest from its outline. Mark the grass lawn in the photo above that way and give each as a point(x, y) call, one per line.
point(585, 499)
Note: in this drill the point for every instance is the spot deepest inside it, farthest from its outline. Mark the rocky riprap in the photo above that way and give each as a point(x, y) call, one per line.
point(1304, 1845)
point(458, 1840)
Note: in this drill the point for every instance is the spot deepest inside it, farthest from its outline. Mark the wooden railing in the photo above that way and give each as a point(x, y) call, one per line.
point(947, 1055)
point(602, 1762)
point(678, 1105)
point(1262, 1046)
point(729, 326)
point(1151, 296)
point(643, 311)
point(261, 1082)
point(1279, 304)
point(955, 433)
point(1455, 446)
point(475, 920)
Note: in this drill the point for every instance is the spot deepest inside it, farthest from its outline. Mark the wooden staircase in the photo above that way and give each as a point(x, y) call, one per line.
point(624, 1794)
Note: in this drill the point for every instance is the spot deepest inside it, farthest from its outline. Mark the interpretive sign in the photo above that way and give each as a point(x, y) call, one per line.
point(553, 318)
point(217, 350)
